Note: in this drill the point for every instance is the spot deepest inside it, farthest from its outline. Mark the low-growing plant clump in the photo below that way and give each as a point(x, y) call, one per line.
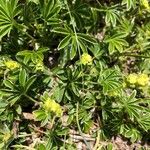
point(74, 74)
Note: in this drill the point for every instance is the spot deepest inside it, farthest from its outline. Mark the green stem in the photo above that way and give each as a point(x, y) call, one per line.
point(30, 98)
point(79, 128)
point(53, 121)
point(131, 47)
point(98, 3)
point(74, 28)
point(97, 141)
point(72, 20)
point(75, 33)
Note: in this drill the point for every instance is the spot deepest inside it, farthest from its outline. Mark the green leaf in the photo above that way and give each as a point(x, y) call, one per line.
point(41, 147)
point(22, 77)
point(129, 3)
point(144, 121)
point(61, 30)
point(131, 105)
point(74, 89)
point(8, 84)
point(59, 93)
point(82, 46)
point(18, 109)
point(126, 26)
point(110, 146)
point(49, 144)
point(116, 43)
point(4, 30)
point(73, 49)
point(55, 11)
point(112, 14)
point(86, 38)
point(3, 104)
point(34, 1)
point(30, 81)
point(111, 17)
point(24, 53)
point(50, 9)
point(110, 80)
point(34, 56)
point(8, 10)
point(42, 49)
point(40, 115)
point(64, 42)
point(13, 99)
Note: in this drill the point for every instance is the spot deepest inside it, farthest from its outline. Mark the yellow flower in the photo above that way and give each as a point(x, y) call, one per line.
point(51, 106)
point(145, 4)
point(10, 64)
point(86, 59)
point(132, 78)
point(143, 79)
point(7, 136)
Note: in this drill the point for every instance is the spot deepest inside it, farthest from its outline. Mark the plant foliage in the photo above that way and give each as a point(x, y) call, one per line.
point(72, 67)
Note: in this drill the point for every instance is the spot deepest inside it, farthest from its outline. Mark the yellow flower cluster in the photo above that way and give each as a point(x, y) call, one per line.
point(51, 106)
point(86, 59)
point(143, 79)
point(10, 64)
point(145, 3)
point(140, 79)
point(132, 78)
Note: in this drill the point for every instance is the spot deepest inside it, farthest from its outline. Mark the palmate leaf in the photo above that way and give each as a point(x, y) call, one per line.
point(73, 41)
point(110, 80)
point(112, 14)
point(143, 38)
point(33, 55)
point(129, 3)
point(64, 42)
point(126, 26)
point(50, 8)
point(80, 11)
point(116, 42)
point(8, 10)
point(131, 105)
point(144, 121)
point(132, 133)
